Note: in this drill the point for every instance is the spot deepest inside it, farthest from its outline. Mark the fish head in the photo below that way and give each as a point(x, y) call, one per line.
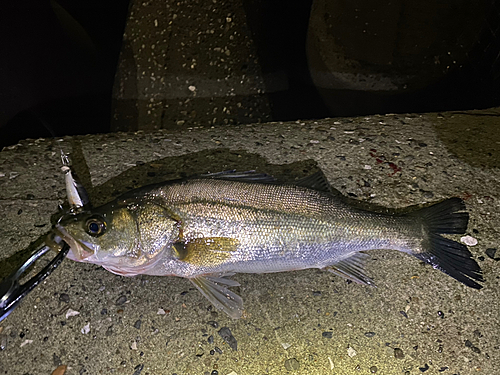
point(126, 237)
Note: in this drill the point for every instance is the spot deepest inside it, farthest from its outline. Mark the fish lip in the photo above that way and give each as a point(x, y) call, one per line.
point(80, 250)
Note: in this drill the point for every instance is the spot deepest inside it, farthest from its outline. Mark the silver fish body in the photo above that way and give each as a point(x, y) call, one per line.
point(208, 229)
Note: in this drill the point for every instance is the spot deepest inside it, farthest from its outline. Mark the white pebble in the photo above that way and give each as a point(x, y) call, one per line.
point(285, 345)
point(86, 329)
point(469, 240)
point(161, 312)
point(133, 346)
point(368, 166)
point(26, 342)
point(351, 352)
point(192, 88)
point(71, 312)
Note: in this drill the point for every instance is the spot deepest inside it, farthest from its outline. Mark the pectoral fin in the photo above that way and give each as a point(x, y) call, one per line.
point(352, 269)
point(208, 251)
point(215, 290)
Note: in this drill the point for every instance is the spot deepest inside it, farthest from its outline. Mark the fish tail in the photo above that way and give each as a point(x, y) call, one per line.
point(451, 257)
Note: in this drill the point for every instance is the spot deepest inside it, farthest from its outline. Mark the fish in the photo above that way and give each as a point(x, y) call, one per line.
point(209, 228)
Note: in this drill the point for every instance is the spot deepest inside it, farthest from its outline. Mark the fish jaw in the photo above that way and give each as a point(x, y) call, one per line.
point(79, 251)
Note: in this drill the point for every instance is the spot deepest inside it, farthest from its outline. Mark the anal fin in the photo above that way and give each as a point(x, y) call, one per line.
point(352, 268)
point(215, 289)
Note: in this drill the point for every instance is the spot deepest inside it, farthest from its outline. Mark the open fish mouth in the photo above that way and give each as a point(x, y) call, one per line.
point(81, 251)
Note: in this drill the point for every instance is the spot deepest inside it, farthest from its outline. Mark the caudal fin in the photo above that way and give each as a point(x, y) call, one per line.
point(451, 257)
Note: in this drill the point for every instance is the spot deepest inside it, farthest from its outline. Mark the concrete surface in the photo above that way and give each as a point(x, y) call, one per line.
point(188, 64)
point(309, 322)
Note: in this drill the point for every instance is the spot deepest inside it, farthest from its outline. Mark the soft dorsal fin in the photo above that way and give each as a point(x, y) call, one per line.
point(316, 181)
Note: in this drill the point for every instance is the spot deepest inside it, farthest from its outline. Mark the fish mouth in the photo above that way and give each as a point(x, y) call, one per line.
point(80, 251)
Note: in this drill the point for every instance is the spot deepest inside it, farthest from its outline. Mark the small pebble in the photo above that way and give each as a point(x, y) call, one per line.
point(292, 364)
point(137, 324)
point(109, 331)
point(428, 194)
point(199, 352)
point(213, 323)
point(490, 252)
point(214, 372)
point(60, 370)
point(86, 329)
point(369, 334)
point(425, 368)
point(286, 345)
point(64, 297)
point(210, 339)
point(138, 369)
point(398, 353)
point(373, 369)
point(218, 350)
point(121, 300)
point(351, 352)
point(228, 337)
point(327, 334)
point(3, 342)
point(469, 240)
point(71, 312)
point(26, 342)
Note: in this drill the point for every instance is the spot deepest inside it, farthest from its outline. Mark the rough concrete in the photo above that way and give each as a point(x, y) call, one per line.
point(187, 64)
point(307, 322)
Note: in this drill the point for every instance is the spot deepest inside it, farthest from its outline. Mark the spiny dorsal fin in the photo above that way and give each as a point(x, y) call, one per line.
point(247, 176)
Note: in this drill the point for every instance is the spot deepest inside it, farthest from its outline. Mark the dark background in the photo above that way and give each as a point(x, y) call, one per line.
point(59, 60)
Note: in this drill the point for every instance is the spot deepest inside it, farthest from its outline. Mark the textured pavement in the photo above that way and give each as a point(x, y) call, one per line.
point(306, 322)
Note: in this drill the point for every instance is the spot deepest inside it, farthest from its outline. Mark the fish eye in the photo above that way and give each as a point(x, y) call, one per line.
point(95, 226)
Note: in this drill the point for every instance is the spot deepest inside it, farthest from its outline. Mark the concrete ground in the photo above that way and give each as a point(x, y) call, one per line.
point(308, 322)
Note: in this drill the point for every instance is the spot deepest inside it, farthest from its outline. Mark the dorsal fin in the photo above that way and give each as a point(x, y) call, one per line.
point(316, 181)
point(247, 176)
